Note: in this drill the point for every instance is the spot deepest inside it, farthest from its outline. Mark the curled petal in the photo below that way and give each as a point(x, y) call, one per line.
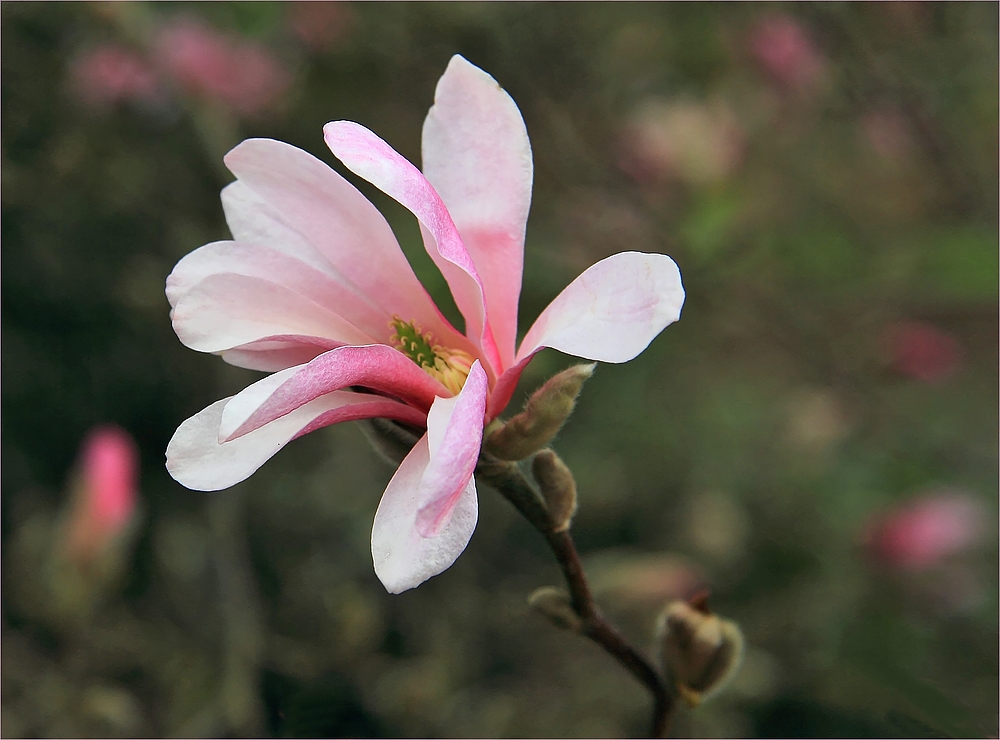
point(477, 156)
point(404, 558)
point(455, 435)
point(429, 509)
point(369, 157)
point(378, 367)
point(198, 460)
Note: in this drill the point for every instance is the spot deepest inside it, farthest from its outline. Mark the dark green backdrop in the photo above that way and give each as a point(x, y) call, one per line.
point(753, 442)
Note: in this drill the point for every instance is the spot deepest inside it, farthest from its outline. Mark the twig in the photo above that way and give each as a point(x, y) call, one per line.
point(508, 479)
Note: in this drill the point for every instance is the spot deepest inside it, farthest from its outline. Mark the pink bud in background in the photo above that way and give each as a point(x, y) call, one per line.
point(921, 351)
point(110, 74)
point(320, 25)
point(924, 531)
point(785, 51)
point(106, 491)
point(243, 75)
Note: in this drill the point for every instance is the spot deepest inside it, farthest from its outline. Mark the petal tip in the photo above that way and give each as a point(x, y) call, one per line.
point(395, 585)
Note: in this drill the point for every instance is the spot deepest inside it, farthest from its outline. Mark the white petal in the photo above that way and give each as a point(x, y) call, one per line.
point(403, 558)
point(273, 265)
point(197, 460)
point(223, 312)
point(612, 311)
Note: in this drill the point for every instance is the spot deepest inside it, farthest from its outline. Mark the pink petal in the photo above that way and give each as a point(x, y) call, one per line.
point(339, 223)
point(610, 313)
point(197, 460)
point(403, 558)
point(225, 311)
point(454, 434)
point(293, 264)
point(369, 157)
point(377, 367)
point(429, 509)
point(477, 156)
point(504, 389)
point(253, 221)
point(272, 355)
point(263, 263)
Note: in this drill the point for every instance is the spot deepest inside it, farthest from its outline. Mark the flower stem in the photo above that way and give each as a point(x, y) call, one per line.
point(508, 479)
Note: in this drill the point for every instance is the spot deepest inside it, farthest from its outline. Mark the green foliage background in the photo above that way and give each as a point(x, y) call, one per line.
point(751, 442)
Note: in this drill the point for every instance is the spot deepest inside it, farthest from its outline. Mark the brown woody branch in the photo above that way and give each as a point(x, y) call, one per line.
point(508, 479)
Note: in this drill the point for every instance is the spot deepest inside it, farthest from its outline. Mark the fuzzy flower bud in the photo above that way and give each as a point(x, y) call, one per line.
point(544, 414)
point(95, 533)
point(558, 488)
point(554, 604)
point(105, 493)
point(700, 650)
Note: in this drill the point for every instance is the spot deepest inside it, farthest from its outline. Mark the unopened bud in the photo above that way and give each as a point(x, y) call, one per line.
point(105, 494)
point(98, 528)
point(544, 414)
point(700, 650)
point(558, 488)
point(554, 604)
point(390, 439)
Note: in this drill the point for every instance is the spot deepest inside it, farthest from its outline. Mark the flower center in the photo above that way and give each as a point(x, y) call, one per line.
point(449, 366)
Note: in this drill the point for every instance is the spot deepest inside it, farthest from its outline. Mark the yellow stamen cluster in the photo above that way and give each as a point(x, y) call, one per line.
point(449, 366)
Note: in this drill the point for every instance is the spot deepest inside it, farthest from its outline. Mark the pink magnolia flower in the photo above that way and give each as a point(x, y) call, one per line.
point(105, 493)
point(242, 75)
point(925, 531)
point(786, 52)
point(921, 351)
point(315, 289)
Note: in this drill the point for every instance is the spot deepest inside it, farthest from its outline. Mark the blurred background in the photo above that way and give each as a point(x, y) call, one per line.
point(815, 440)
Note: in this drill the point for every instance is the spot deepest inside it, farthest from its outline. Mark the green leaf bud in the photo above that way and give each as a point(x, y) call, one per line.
point(555, 481)
point(544, 414)
point(554, 604)
point(701, 652)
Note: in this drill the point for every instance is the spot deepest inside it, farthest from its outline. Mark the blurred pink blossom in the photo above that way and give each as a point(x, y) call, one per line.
point(110, 74)
point(785, 51)
point(106, 492)
point(697, 142)
point(320, 25)
point(924, 531)
point(921, 351)
point(243, 75)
